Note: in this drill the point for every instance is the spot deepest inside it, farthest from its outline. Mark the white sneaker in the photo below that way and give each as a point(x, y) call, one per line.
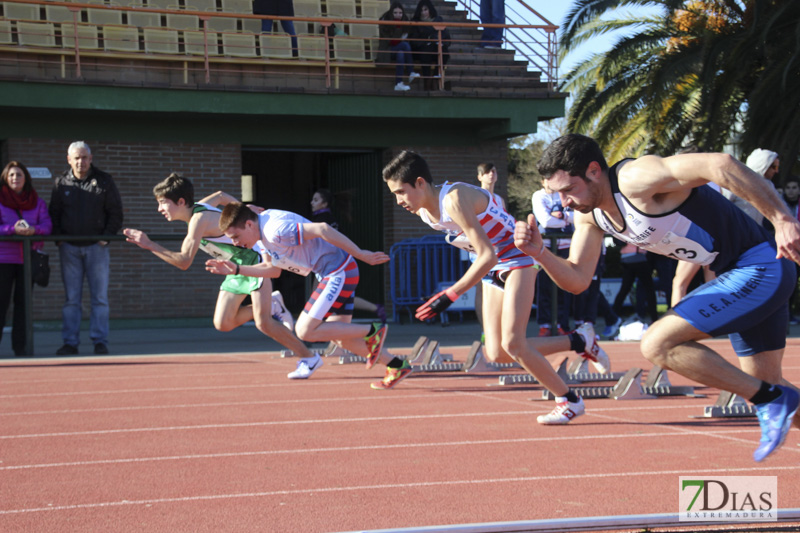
point(401, 87)
point(593, 352)
point(564, 412)
point(412, 77)
point(612, 329)
point(306, 367)
point(279, 311)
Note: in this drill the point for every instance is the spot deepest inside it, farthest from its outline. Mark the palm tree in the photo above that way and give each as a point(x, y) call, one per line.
point(689, 72)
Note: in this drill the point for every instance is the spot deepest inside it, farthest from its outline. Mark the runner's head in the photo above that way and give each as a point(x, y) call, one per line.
point(240, 224)
point(175, 197)
point(572, 153)
point(175, 187)
point(408, 178)
point(573, 166)
point(406, 168)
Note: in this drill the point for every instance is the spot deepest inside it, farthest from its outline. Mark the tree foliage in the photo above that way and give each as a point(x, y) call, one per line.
point(689, 72)
point(523, 178)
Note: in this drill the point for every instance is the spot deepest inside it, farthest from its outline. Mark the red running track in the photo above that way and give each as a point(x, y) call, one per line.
point(226, 443)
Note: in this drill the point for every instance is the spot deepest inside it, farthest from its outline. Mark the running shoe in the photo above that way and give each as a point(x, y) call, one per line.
point(306, 367)
point(612, 329)
point(544, 331)
point(279, 311)
point(393, 376)
point(564, 412)
point(593, 352)
point(775, 419)
point(375, 343)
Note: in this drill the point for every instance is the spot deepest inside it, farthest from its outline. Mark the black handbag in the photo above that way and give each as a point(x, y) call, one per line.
point(40, 265)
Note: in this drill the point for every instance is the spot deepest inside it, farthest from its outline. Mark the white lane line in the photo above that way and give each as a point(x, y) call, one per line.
point(393, 418)
point(288, 383)
point(392, 486)
point(342, 449)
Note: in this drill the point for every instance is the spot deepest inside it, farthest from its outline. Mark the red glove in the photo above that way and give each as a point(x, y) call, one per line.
point(436, 305)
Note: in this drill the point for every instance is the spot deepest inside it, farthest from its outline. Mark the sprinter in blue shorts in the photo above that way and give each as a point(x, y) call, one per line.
point(664, 206)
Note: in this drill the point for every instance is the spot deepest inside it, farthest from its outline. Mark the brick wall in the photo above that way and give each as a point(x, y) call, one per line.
point(141, 285)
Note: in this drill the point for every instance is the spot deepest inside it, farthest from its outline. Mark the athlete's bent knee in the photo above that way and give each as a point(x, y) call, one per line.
point(654, 348)
point(224, 325)
point(514, 345)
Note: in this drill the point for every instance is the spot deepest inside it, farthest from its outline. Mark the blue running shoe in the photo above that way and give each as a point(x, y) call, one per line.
point(775, 419)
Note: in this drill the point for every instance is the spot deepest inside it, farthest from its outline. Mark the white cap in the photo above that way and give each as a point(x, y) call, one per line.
point(760, 160)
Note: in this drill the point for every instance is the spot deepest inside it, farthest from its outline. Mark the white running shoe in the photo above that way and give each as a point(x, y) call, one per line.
point(306, 367)
point(564, 412)
point(401, 87)
point(413, 76)
point(593, 352)
point(279, 311)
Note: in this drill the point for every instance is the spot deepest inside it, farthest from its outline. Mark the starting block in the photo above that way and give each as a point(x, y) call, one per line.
point(331, 350)
point(476, 361)
point(564, 373)
point(430, 354)
point(417, 352)
point(658, 384)
point(728, 405)
point(629, 387)
point(431, 360)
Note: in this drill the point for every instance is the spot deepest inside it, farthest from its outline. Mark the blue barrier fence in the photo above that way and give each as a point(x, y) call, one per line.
point(418, 266)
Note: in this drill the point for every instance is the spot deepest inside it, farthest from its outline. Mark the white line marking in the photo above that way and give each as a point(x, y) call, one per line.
point(393, 486)
point(342, 449)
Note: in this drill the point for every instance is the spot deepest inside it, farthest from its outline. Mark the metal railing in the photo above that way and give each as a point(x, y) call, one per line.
point(27, 240)
point(538, 43)
point(207, 55)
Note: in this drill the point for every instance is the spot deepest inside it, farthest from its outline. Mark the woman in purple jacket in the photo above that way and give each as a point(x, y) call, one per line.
point(22, 212)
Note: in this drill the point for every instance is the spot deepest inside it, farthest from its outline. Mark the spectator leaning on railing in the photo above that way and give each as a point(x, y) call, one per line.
point(22, 212)
point(85, 201)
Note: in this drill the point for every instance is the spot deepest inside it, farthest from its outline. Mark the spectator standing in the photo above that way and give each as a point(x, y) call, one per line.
point(394, 40)
point(637, 267)
point(22, 212)
point(551, 215)
point(278, 8)
point(493, 12)
point(425, 44)
point(590, 302)
point(85, 201)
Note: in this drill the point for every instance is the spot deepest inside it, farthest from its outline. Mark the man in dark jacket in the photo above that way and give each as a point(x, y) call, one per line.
point(85, 201)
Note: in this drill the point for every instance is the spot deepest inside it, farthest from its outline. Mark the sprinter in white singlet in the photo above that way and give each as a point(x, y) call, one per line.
point(475, 221)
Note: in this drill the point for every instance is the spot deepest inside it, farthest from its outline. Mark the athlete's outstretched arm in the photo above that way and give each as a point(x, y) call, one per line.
point(218, 198)
point(652, 175)
point(321, 230)
point(191, 243)
point(226, 267)
point(463, 205)
point(575, 273)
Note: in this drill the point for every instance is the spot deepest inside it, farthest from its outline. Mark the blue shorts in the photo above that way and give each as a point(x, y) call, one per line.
point(749, 303)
